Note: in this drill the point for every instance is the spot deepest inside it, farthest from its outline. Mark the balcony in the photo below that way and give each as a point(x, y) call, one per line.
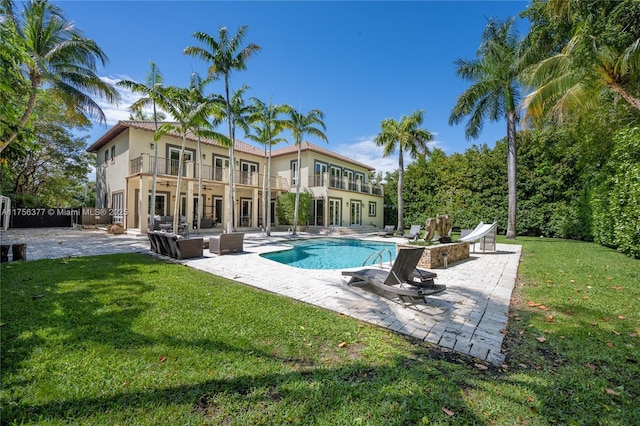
point(169, 167)
point(353, 185)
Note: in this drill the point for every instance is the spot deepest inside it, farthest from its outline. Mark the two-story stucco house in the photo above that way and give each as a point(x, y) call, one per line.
point(342, 195)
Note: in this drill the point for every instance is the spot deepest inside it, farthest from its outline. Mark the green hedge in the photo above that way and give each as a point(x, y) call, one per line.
point(616, 199)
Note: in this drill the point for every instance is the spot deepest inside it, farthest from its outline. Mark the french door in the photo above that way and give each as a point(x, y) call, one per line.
point(334, 212)
point(356, 213)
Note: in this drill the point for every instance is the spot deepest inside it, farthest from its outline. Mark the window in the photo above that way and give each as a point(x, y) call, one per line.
point(174, 158)
point(321, 170)
point(372, 208)
point(294, 172)
point(106, 156)
point(113, 153)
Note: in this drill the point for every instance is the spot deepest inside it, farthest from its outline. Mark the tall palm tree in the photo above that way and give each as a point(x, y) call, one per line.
point(59, 55)
point(240, 114)
point(494, 94)
point(403, 135)
point(189, 113)
point(225, 55)
point(311, 123)
point(150, 90)
point(592, 63)
point(266, 127)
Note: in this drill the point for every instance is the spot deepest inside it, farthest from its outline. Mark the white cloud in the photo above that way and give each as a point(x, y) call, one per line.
point(113, 112)
point(366, 151)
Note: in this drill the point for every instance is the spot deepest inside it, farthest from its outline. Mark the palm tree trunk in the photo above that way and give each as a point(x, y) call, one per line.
point(154, 179)
point(511, 174)
point(268, 219)
point(400, 184)
point(176, 206)
point(264, 193)
point(201, 198)
point(31, 104)
point(632, 100)
point(232, 164)
point(295, 211)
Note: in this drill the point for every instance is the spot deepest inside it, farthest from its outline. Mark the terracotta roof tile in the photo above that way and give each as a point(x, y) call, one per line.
point(240, 146)
point(307, 146)
point(150, 126)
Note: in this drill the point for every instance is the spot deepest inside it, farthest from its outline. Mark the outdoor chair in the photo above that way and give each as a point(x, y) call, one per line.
point(414, 233)
point(387, 231)
point(401, 280)
point(483, 233)
point(232, 242)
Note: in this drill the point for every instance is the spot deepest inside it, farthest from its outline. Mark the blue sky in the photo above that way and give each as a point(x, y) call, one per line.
point(358, 62)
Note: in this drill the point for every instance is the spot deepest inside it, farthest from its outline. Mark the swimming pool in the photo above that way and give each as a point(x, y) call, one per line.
point(332, 253)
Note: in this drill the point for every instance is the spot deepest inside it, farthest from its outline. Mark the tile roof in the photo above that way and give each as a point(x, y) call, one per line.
point(307, 146)
point(240, 146)
point(150, 127)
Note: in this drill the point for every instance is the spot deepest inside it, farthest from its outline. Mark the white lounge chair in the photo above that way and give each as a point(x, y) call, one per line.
point(485, 234)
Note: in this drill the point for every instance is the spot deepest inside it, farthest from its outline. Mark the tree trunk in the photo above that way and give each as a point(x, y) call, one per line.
point(400, 184)
point(176, 208)
point(511, 174)
point(35, 82)
point(295, 211)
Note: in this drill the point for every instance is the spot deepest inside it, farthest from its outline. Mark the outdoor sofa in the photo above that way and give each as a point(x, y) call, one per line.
point(172, 245)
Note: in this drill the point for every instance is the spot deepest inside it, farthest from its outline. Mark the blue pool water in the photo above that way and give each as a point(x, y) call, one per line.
point(331, 253)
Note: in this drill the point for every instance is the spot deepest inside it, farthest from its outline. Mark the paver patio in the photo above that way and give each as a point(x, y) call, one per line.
point(469, 317)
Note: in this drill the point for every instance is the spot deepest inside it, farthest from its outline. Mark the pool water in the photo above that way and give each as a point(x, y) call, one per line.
point(332, 253)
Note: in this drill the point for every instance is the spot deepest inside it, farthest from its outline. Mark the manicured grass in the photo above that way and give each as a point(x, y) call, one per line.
point(126, 339)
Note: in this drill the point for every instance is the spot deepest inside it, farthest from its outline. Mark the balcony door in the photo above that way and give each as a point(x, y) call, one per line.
point(174, 159)
point(248, 171)
point(321, 171)
point(220, 165)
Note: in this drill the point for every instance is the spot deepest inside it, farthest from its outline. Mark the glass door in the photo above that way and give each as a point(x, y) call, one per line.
point(218, 209)
point(356, 213)
point(246, 206)
point(220, 165)
point(334, 212)
point(321, 171)
point(317, 215)
point(248, 171)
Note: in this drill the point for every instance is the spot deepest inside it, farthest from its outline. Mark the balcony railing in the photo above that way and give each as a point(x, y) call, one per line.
point(169, 167)
point(355, 185)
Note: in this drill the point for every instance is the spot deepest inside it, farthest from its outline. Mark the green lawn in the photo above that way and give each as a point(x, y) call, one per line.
point(126, 339)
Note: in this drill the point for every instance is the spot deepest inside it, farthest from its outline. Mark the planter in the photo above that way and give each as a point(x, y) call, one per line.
point(442, 254)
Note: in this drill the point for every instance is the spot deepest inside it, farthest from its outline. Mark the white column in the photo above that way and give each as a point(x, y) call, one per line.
point(143, 204)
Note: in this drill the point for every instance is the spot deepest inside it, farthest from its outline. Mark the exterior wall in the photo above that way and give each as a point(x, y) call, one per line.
point(129, 173)
point(110, 173)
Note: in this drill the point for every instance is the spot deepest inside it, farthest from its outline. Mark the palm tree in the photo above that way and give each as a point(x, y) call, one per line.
point(301, 124)
point(224, 55)
point(403, 135)
point(240, 115)
point(591, 64)
point(494, 94)
point(267, 127)
point(189, 113)
point(150, 90)
point(59, 55)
